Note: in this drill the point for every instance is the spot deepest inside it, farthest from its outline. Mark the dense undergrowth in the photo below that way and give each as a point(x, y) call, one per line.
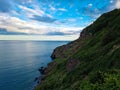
point(99, 60)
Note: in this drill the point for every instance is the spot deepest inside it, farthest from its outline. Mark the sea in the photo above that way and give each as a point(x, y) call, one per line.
point(20, 61)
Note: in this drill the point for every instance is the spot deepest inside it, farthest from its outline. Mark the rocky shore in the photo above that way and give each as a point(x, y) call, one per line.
point(60, 52)
point(44, 71)
point(89, 63)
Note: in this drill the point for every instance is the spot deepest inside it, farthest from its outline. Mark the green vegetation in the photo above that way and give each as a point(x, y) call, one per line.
point(98, 59)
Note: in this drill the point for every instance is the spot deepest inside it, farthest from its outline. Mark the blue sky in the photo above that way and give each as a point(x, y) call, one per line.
point(50, 17)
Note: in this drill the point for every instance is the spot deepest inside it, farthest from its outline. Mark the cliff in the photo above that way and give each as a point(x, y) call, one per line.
point(92, 62)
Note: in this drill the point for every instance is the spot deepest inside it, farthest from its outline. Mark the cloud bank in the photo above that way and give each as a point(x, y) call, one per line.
point(35, 17)
point(118, 4)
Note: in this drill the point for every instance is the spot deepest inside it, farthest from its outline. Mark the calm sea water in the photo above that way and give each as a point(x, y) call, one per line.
point(20, 60)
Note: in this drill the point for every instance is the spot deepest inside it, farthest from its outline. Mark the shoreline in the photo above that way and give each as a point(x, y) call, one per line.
point(44, 72)
point(37, 81)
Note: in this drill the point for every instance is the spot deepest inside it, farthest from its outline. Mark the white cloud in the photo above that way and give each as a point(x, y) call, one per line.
point(49, 15)
point(71, 20)
point(39, 37)
point(118, 4)
point(30, 1)
point(14, 12)
point(14, 24)
point(90, 5)
point(55, 9)
point(111, 1)
point(30, 12)
point(52, 8)
point(65, 29)
point(17, 25)
point(81, 18)
point(62, 9)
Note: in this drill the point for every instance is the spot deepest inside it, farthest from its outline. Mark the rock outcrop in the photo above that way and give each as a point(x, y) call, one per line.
point(69, 49)
point(91, 62)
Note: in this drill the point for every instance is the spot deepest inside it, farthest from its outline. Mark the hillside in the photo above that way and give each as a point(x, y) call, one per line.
point(92, 62)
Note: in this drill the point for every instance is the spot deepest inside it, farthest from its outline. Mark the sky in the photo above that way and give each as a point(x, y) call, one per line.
point(50, 17)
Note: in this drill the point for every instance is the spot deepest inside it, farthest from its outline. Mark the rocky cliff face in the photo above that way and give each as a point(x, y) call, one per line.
point(69, 49)
point(66, 51)
point(92, 62)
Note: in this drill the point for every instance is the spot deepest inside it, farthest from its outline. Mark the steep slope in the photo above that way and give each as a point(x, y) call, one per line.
point(92, 62)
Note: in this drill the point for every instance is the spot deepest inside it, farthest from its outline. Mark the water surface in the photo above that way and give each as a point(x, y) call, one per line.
point(20, 60)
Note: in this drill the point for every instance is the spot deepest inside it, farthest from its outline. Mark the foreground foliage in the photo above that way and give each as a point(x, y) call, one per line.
point(98, 60)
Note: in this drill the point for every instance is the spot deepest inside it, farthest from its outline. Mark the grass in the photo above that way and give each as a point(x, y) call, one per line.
point(99, 57)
